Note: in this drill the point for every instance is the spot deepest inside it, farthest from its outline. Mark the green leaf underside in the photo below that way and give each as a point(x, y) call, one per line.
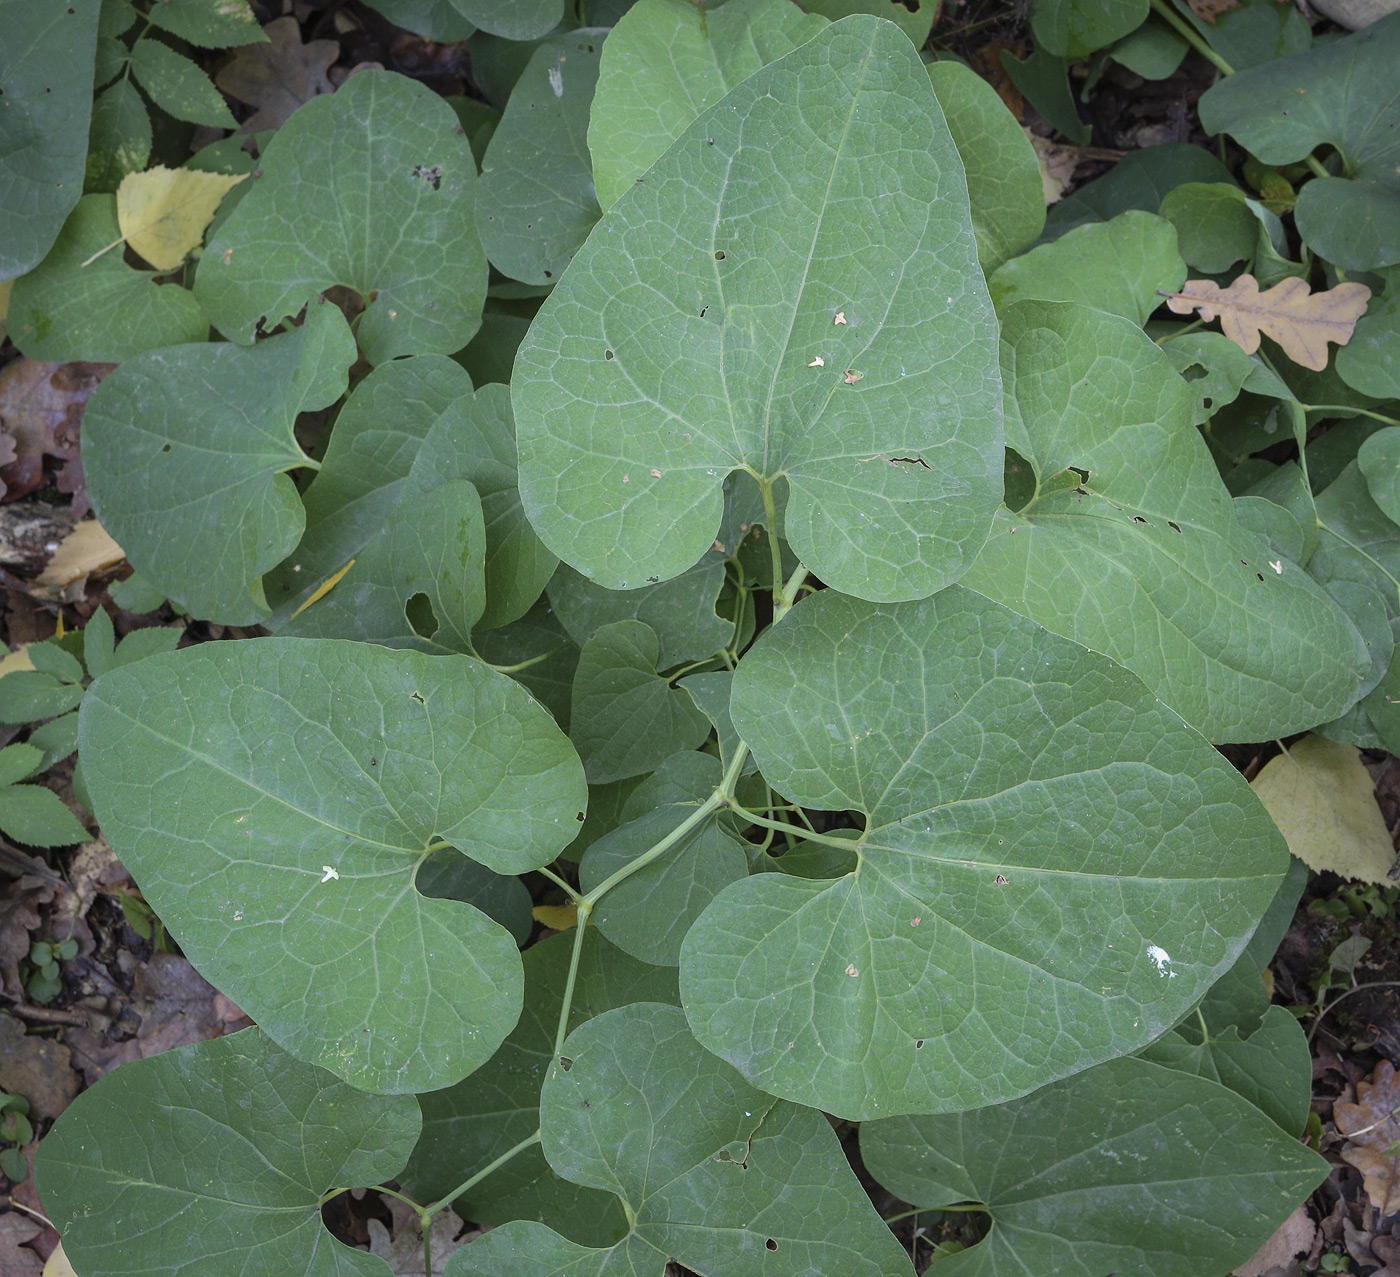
point(128, 1173)
point(186, 450)
point(63, 310)
point(1339, 93)
point(624, 716)
point(374, 188)
point(470, 1124)
point(679, 346)
point(708, 1165)
point(1146, 560)
point(45, 76)
point(1128, 1167)
point(1052, 868)
point(536, 201)
point(669, 60)
point(311, 777)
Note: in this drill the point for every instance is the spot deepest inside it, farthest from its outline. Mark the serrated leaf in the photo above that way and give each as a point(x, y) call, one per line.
point(1210, 1177)
point(648, 914)
point(1003, 175)
point(317, 775)
point(706, 1165)
point(624, 715)
point(45, 75)
point(186, 452)
point(27, 695)
point(119, 140)
point(178, 86)
point(668, 60)
point(19, 762)
point(163, 212)
point(37, 816)
point(662, 363)
point(1300, 321)
point(537, 203)
point(210, 24)
point(1120, 266)
point(275, 1135)
point(1038, 829)
point(75, 305)
point(1145, 559)
point(474, 1122)
point(1323, 799)
point(1337, 93)
point(513, 19)
point(372, 187)
point(1074, 28)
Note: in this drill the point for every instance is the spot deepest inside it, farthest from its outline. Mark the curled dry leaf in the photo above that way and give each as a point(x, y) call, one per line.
point(1372, 1128)
point(277, 77)
point(1300, 321)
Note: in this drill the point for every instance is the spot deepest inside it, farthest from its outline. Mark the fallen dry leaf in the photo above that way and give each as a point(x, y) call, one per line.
point(1300, 321)
point(41, 410)
point(1057, 164)
point(163, 213)
point(1210, 10)
point(403, 1251)
point(58, 1265)
point(88, 548)
point(1323, 800)
point(37, 1068)
point(1372, 1130)
point(279, 76)
point(16, 1259)
point(19, 917)
point(1293, 1238)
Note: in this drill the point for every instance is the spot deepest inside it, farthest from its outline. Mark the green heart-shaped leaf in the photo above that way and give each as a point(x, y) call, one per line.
point(1128, 1167)
point(775, 336)
point(314, 778)
point(1131, 546)
point(1039, 832)
point(705, 1165)
point(217, 1157)
point(186, 452)
point(373, 188)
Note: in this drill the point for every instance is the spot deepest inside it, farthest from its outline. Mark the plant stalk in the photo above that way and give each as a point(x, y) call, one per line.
point(1191, 36)
point(567, 1005)
point(429, 1211)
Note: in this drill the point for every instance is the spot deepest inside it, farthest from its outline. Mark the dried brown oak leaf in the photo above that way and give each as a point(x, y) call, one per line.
point(279, 76)
point(1210, 10)
point(1300, 321)
point(41, 411)
point(1372, 1128)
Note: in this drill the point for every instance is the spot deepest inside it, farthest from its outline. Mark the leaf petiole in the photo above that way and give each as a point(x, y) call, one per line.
point(846, 844)
point(584, 909)
point(429, 1211)
point(1189, 34)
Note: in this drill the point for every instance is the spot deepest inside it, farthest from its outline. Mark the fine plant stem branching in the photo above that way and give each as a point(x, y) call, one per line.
point(525, 665)
point(784, 598)
point(562, 883)
point(528, 1142)
point(793, 831)
point(1190, 35)
point(585, 908)
point(1337, 407)
point(1331, 1006)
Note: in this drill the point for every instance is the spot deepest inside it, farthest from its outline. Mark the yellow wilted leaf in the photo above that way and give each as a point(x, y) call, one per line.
point(58, 1265)
point(16, 661)
point(1301, 321)
point(163, 213)
point(556, 917)
point(88, 548)
point(1322, 799)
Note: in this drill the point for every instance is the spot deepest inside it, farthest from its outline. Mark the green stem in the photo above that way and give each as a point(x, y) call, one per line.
point(308, 463)
point(673, 679)
point(1191, 36)
point(441, 845)
point(1205, 1032)
point(722, 797)
point(846, 844)
point(567, 1005)
point(1317, 167)
point(525, 665)
point(1179, 331)
point(784, 599)
point(562, 883)
point(430, 1211)
point(1340, 407)
point(775, 549)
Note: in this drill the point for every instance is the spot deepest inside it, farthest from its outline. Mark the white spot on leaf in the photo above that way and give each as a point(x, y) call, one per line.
point(1163, 960)
point(840, 317)
point(328, 872)
point(818, 362)
point(556, 81)
point(1277, 565)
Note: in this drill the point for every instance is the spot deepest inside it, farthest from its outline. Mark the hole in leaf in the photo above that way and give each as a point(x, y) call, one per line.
point(1260, 575)
point(165, 447)
point(1137, 518)
point(417, 696)
point(587, 48)
point(1174, 526)
point(607, 354)
point(430, 173)
point(703, 309)
point(918, 1044)
point(719, 254)
point(771, 1244)
point(578, 816)
point(419, 612)
point(1081, 472)
point(565, 1063)
point(549, 274)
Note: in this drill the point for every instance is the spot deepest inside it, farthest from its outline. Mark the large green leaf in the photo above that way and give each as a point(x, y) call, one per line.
point(1131, 545)
point(649, 913)
point(1120, 266)
point(1128, 1168)
point(469, 1125)
point(128, 1171)
point(914, 17)
point(1052, 869)
point(1370, 361)
point(303, 782)
point(734, 312)
point(668, 60)
point(513, 19)
point(712, 1172)
point(186, 452)
point(73, 307)
point(46, 61)
point(536, 202)
point(1073, 28)
point(625, 716)
point(1340, 93)
point(373, 188)
point(1356, 541)
point(1003, 175)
